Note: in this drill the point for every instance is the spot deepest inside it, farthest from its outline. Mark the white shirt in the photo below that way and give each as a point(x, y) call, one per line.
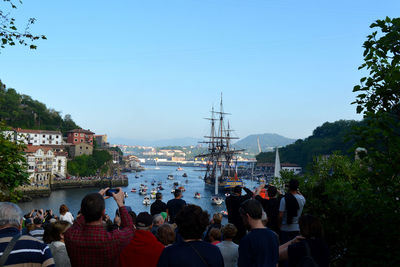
point(67, 217)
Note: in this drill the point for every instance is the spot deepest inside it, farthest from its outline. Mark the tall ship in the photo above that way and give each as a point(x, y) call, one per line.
point(221, 157)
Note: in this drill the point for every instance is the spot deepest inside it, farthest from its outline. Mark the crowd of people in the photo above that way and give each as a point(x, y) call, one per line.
point(260, 232)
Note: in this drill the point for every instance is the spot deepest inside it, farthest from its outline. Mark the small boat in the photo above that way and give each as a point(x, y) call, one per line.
point(125, 194)
point(186, 181)
point(217, 200)
point(184, 175)
point(227, 194)
point(173, 191)
point(179, 169)
point(133, 190)
point(154, 191)
point(160, 188)
point(152, 183)
point(224, 213)
point(197, 195)
point(153, 196)
point(159, 183)
point(170, 177)
point(182, 188)
point(176, 184)
point(146, 201)
point(136, 176)
point(142, 191)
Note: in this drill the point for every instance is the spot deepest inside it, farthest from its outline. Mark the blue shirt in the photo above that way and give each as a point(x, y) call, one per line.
point(260, 247)
point(27, 249)
point(184, 254)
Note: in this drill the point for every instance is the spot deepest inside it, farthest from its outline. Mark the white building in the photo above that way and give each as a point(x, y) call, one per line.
point(38, 137)
point(44, 164)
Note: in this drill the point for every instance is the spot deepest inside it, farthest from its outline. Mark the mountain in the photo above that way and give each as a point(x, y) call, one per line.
point(186, 141)
point(326, 139)
point(267, 142)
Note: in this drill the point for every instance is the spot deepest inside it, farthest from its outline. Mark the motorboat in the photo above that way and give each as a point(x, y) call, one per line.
point(142, 191)
point(146, 201)
point(160, 188)
point(227, 194)
point(217, 200)
point(173, 190)
point(182, 188)
point(170, 177)
point(179, 169)
point(133, 190)
point(224, 213)
point(176, 184)
point(197, 195)
point(136, 176)
point(154, 191)
point(153, 196)
point(159, 183)
point(184, 175)
point(125, 194)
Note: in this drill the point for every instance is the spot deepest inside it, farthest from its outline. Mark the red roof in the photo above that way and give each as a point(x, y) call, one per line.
point(19, 130)
point(33, 149)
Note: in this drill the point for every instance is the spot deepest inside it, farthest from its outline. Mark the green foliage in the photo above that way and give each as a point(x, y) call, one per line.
point(13, 167)
point(380, 91)
point(10, 32)
point(89, 165)
point(21, 111)
point(325, 140)
point(354, 211)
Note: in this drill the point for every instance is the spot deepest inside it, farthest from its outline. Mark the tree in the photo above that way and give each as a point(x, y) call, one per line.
point(10, 34)
point(13, 167)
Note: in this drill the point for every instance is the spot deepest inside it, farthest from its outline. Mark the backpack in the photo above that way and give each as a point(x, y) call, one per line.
point(307, 260)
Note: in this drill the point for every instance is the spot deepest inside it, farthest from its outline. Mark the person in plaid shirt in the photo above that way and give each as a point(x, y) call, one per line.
point(87, 240)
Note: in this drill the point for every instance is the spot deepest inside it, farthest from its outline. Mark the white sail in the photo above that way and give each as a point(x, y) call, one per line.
point(277, 172)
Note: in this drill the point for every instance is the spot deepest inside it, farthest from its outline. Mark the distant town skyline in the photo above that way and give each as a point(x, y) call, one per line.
point(153, 70)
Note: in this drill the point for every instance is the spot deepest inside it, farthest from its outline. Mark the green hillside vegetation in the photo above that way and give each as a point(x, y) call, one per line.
point(21, 111)
point(327, 138)
point(267, 140)
point(89, 165)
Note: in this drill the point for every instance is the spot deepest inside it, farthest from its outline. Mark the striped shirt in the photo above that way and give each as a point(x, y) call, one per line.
point(37, 233)
point(27, 252)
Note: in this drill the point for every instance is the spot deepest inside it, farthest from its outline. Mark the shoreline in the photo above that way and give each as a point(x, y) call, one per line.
point(42, 192)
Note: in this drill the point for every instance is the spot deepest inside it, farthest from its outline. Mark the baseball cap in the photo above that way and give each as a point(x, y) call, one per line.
point(144, 219)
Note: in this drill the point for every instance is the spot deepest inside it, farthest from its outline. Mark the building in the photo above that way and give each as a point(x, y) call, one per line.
point(296, 169)
point(80, 136)
point(38, 137)
point(44, 164)
point(80, 149)
point(101, 141)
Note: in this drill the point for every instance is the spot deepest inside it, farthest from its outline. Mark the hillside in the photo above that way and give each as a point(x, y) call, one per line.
point(267, 142)
point(329, 137)
point(21, 111)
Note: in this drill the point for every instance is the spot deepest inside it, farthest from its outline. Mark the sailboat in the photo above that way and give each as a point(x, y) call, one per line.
point(221, 157)
point(157, 168)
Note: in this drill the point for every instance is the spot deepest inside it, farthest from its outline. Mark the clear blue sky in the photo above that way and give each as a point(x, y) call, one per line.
point(153, 69)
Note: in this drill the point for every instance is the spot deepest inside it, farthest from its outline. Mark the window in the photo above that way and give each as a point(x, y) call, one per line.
point(35, 135)
point(76, 134)
point(80, 147)
point(42, 142)
point(57, 142)
point(82, 135)
point(87, 148)
point(81, 140)
point(76, 140)
point(57, 136)
point(44, 136)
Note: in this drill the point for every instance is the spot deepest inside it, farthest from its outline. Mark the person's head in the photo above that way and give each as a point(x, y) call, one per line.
point(272, 191)
point(229, 231)
point(310, 226)
point(177, 193)
point(37, 222)
point(55, 231)
point(217, 218)
point(158, 220)
point(293, 185)
point(158, 196)
point(10, 215)
point(214, 234)
point(237, 190)
point(192, 222)
point(133, 215)
point(93, 207)
point(251, 211)
point(166, 234)
point(63, 209)
point(144, 221)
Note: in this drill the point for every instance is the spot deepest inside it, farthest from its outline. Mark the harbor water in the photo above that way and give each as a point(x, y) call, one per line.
point(193, 183)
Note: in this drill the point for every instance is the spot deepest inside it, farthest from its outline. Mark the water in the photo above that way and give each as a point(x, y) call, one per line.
point(72, 197)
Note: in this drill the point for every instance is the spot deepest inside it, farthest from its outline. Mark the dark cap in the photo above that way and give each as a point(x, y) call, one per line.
point(37, 221)
point(144, 219)
point(237, 189)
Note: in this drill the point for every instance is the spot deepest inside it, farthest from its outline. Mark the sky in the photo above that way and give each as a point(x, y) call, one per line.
point(154, 69)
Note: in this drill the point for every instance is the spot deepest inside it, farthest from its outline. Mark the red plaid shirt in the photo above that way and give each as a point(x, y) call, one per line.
point(92, 245)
